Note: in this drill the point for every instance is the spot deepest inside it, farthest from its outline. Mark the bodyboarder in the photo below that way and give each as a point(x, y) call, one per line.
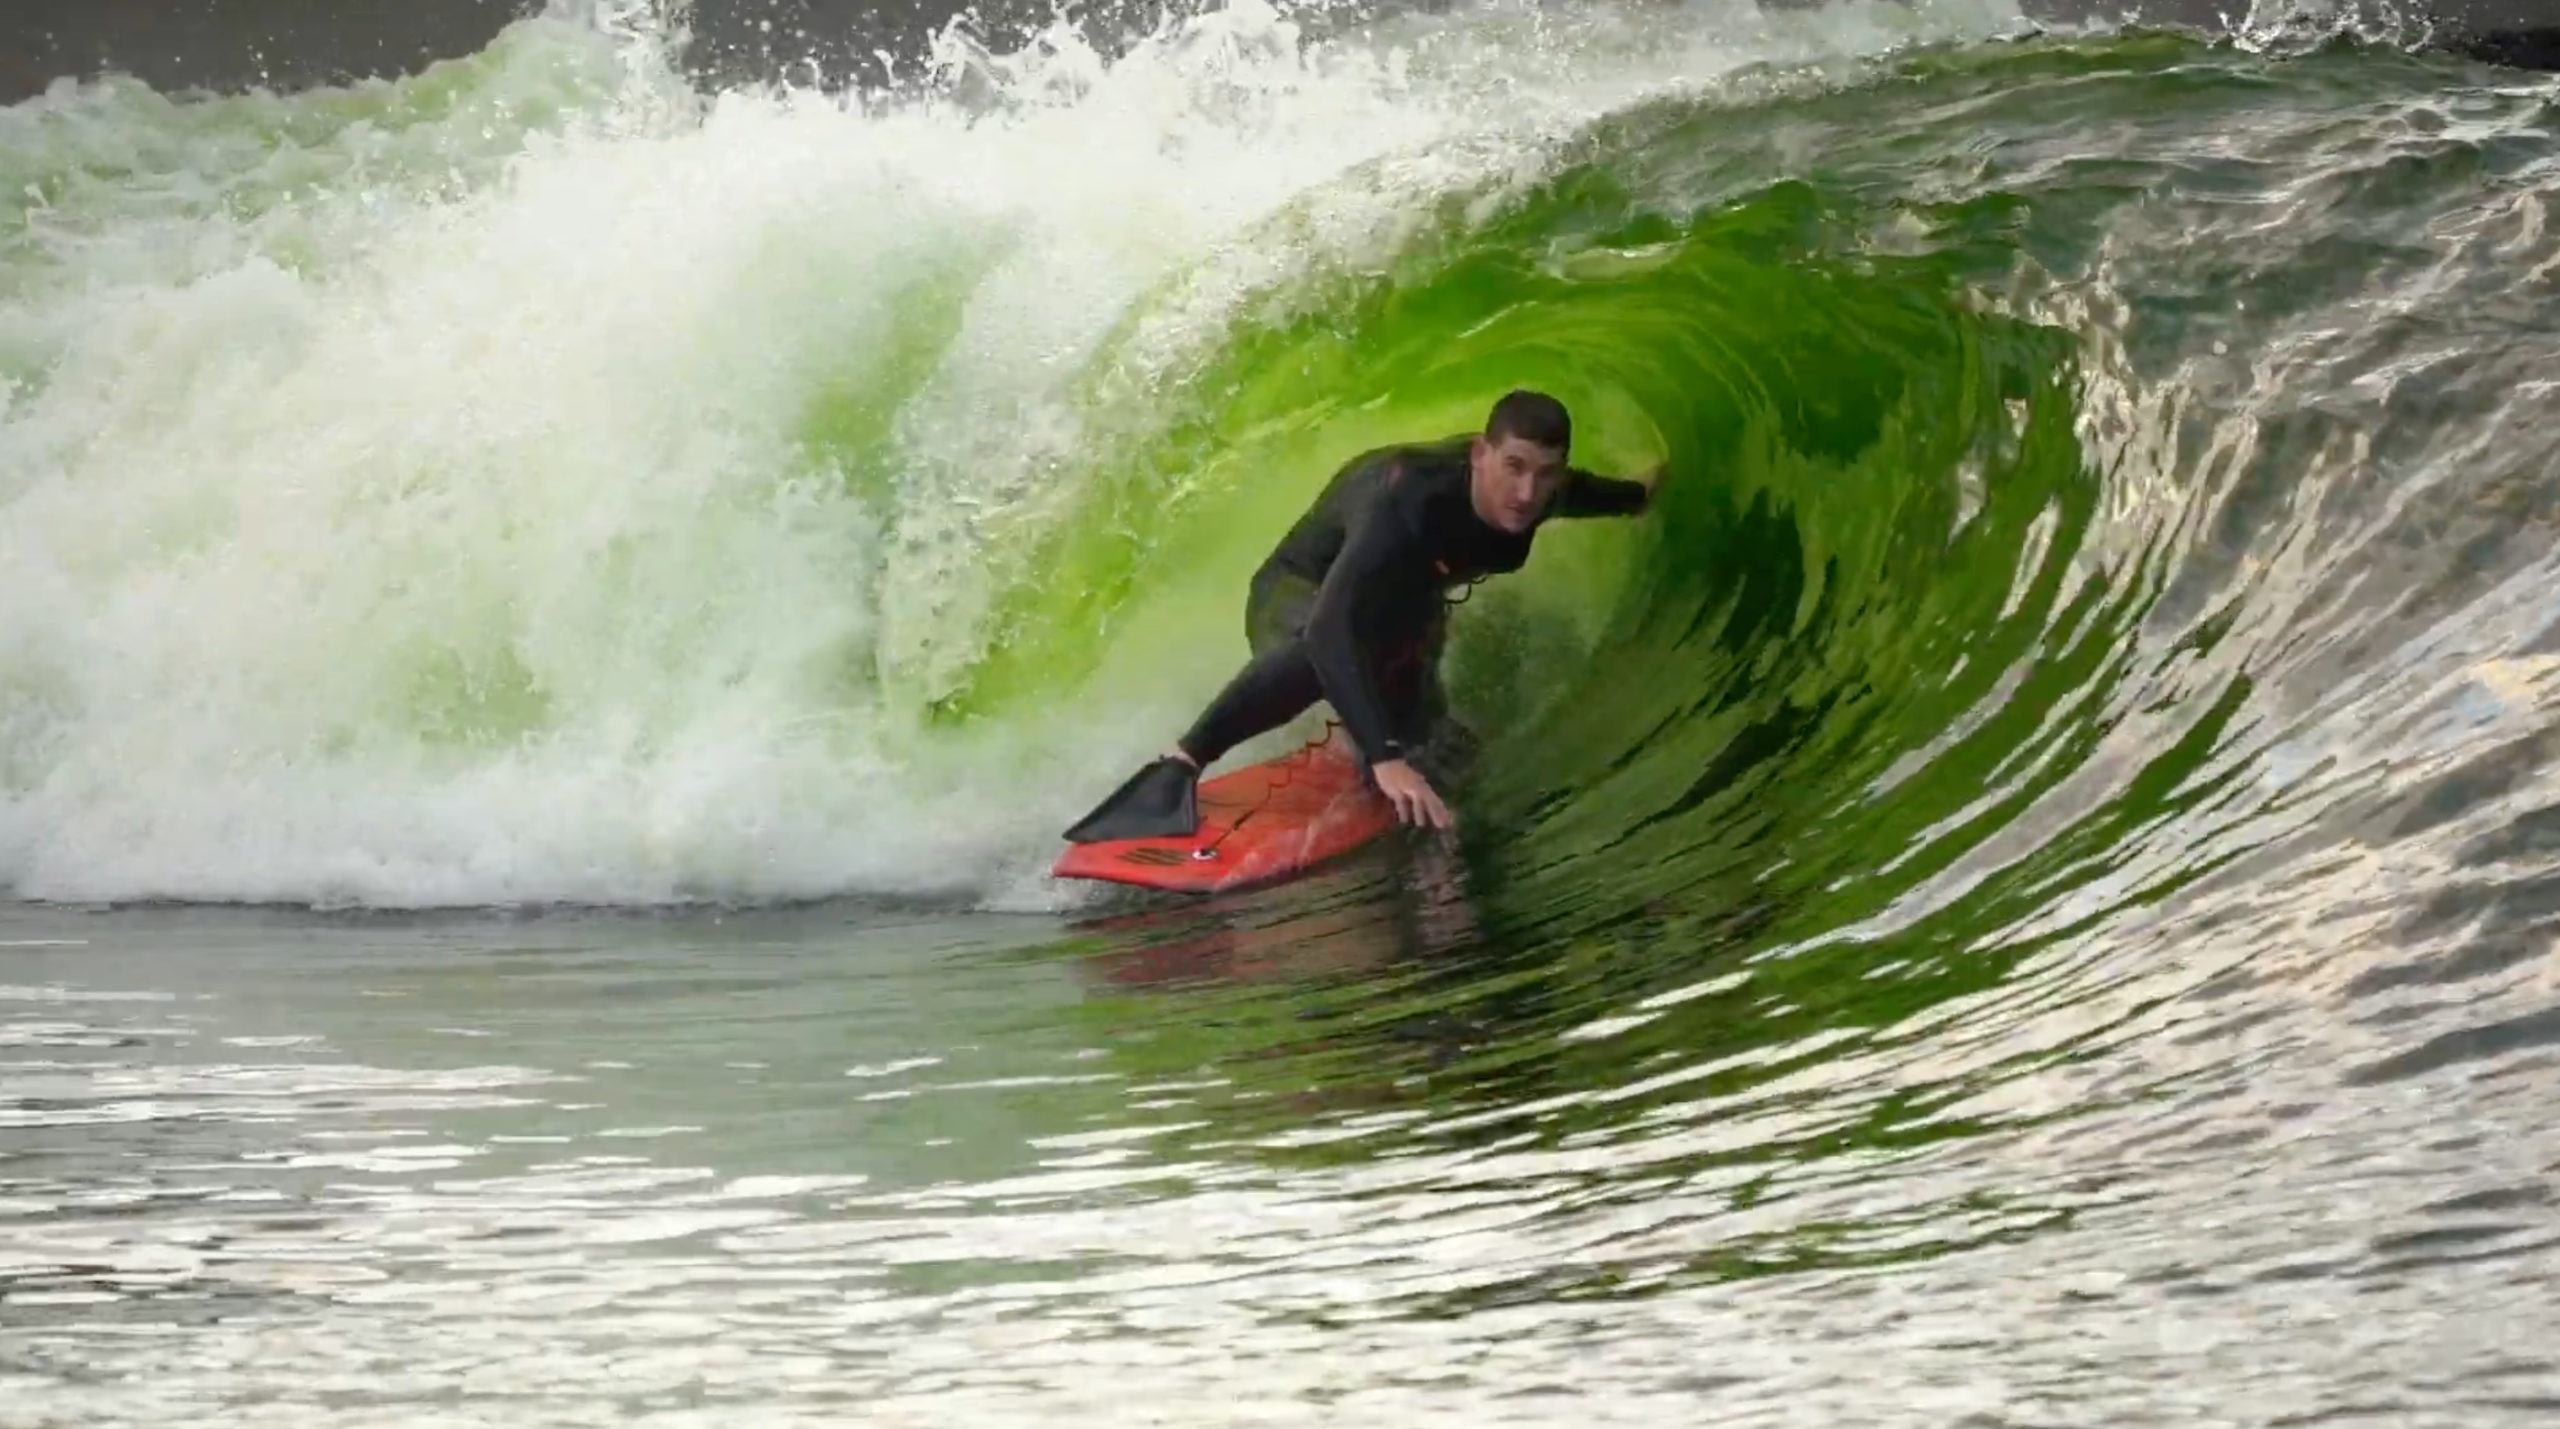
point(1351, 606)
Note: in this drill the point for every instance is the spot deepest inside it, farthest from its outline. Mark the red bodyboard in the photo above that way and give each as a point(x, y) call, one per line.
point(1262, 823)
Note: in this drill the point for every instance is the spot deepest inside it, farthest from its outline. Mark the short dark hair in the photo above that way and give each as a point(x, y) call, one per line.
point(1534, 416)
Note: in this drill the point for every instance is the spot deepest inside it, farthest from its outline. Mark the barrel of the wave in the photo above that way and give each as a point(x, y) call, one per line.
point(1264, 823)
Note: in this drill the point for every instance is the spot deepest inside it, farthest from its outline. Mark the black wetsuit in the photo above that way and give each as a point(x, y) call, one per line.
point(1351, 606)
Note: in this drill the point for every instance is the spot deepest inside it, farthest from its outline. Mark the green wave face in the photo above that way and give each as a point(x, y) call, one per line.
point(1874, 493)
point(1974, 624)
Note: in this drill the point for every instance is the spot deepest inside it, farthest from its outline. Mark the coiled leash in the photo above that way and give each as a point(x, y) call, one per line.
point(1287, 777)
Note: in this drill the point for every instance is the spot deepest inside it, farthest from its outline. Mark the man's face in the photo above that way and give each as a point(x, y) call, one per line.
point(1513, 480)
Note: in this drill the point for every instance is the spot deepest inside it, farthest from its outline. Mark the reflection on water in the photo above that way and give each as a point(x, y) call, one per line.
point(579, 1168)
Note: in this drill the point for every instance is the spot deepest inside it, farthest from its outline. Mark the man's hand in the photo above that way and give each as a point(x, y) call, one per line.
point(1413, 796)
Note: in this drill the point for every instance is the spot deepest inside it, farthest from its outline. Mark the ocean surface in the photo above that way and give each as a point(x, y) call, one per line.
point(550, 615)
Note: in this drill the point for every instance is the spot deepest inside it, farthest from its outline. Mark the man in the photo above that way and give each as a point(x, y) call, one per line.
point(1350, 607)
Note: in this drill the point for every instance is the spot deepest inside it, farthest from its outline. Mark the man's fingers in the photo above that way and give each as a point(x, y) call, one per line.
point(1415, 801)
point(1420, 807)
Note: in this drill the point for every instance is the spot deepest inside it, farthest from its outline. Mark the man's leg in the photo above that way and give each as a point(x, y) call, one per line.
point(1409, 677)
point(1161, 800)
point(1275, 686)
point(1419, 705)
point(1267, 693)
point(1281, 681)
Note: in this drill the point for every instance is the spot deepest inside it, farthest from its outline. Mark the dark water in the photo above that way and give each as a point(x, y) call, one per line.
point(2020, 895)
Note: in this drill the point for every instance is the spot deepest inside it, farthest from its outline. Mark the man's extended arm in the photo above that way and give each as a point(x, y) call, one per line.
point(1375, 543)
point(1584, 494)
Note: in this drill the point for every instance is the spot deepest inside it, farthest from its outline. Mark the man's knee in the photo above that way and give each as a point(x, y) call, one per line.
point(1276, 611)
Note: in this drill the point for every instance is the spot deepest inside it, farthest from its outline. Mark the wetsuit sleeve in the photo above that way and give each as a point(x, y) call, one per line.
point(1584, 494)
point(1380, 539)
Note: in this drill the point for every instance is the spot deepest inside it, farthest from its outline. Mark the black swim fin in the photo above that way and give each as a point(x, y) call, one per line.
point(1161, 801)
